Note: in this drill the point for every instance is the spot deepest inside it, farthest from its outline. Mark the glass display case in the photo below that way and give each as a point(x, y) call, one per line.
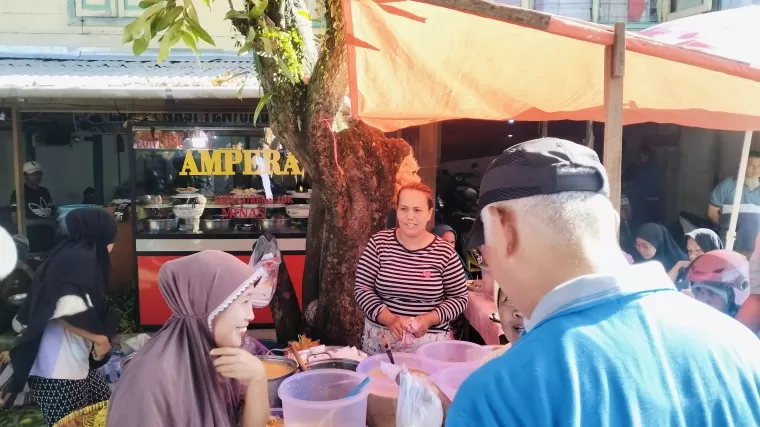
point(203, 187)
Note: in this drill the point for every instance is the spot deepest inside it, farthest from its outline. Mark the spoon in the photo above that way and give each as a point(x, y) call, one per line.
point(297, 356)
point(387, 348)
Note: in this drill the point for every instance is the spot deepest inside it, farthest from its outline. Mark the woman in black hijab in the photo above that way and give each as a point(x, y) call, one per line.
point(654, 243)
point(69, 320)
point(698, 242)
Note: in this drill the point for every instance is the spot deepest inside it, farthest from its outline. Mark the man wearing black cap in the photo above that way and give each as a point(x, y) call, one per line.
point(606, 343)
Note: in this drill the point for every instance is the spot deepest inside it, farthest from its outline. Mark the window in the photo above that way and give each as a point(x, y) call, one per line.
point(683, 8)
point(103, 12)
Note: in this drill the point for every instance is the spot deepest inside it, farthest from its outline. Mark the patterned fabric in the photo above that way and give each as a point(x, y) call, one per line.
point(372, 340)
point(410, 283)
point(12, 399)
point(58, 398)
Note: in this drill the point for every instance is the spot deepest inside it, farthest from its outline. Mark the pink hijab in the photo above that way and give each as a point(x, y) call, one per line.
point(172, 382)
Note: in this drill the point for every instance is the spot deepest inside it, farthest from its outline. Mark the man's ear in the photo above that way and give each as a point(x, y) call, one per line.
point(500, 227)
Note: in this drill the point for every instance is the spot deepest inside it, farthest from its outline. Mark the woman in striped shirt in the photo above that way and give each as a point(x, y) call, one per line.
point(409, 282)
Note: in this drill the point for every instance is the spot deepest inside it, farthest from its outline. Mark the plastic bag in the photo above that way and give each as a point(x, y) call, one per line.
point(418, 402)
point(265, 262)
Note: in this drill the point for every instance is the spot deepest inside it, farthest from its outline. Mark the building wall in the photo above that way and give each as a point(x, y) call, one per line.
point(49, 23)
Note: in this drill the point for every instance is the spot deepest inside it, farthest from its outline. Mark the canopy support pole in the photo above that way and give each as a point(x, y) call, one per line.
point(731, 234)
point(18, 166)
point(614, 71)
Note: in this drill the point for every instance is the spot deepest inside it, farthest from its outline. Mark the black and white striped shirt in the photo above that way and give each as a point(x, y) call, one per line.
point(410, 283)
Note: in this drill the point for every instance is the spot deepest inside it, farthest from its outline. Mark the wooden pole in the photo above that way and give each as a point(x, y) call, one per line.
point(18, 165)
point(614, 71)
point(544, 129)
point(731, 234)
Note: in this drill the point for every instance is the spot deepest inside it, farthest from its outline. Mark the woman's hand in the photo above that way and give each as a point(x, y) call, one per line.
point(237, 364)
point(397, 327)
point(425, 322)
point(5, 358)
point(100, 347)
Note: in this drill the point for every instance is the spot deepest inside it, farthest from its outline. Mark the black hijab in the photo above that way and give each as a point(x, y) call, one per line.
point(668, 253)
point(79, 266)
point(707, 239)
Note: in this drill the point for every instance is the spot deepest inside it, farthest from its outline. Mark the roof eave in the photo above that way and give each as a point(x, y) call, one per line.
point(116, 93)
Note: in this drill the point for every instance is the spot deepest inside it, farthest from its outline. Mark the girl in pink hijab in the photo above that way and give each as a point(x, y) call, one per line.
point(193, 372)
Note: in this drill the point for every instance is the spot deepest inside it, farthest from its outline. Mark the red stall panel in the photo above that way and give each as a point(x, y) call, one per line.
point(153, 308)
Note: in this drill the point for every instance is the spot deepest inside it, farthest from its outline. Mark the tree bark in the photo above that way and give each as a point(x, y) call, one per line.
point(312, 268)
point(360, 199)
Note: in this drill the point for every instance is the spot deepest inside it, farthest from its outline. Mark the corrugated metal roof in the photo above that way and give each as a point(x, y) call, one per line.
point(119, 74)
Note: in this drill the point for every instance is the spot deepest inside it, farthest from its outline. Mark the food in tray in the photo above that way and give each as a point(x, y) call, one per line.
point(187, 190)
point(275, 422)
point(243, 191)
point(475, 285)
point(275, 369)
point(305, 343)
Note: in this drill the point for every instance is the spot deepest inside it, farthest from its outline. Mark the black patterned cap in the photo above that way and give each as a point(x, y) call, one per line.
point(540, 166)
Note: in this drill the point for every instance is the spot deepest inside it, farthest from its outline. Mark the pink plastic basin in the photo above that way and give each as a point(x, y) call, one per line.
point(450, 379)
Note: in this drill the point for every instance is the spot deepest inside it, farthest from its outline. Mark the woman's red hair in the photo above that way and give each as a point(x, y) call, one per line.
point(422, 188)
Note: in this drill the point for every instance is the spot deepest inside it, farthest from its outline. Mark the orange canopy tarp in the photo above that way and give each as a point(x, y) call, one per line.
point(412, 63)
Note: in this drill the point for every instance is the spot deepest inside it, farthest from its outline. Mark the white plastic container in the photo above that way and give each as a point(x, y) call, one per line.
point(446, 354)
point(318, 399)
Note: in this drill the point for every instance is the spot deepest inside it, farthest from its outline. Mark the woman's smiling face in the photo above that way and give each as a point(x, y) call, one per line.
point(413, 212)
point(231, 325)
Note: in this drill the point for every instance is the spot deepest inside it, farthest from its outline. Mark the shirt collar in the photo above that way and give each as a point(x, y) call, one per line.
point(583, 290)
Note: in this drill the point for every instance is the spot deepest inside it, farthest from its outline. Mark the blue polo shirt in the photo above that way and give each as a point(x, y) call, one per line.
point(748, 222)
point(619, 351)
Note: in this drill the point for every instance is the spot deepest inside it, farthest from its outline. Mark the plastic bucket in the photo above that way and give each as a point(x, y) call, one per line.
point(318, 399)
point(446, 354)
point(450, 379)
point(380, 383)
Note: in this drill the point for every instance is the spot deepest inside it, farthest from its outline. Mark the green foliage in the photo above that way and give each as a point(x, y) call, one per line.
point(169, 22)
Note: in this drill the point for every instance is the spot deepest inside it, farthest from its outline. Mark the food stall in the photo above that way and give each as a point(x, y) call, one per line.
point(199, 187)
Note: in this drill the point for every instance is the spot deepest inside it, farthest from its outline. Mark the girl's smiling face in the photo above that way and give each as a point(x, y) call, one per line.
point(231, 325)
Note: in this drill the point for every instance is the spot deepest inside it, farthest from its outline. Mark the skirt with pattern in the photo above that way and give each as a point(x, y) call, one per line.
point(58, 398)
point(372, 341)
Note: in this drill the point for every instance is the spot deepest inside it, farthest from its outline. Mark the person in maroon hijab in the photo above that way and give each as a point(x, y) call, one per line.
point(193, 372)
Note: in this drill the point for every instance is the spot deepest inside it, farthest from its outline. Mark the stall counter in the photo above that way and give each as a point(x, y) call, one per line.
point(153, 251)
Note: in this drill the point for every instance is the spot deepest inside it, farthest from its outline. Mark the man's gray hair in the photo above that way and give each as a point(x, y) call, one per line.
point(568, 215)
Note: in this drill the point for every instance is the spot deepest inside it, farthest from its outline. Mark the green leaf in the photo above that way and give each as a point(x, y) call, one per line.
point(285, 70)
point(239, 93)
point(190, 41)
point(305, 14)
point(199, 32)
point(131, 31)
point(207, 3)
point(235, 14)
point(260, 106)
point(245, 48)
point(258, 10)
point(191, 12)
point(144, 4)
point(139, 46)
point(154, 20)
point(171, 37)
point(267, 45)
point(169, 17)
point(257, 64)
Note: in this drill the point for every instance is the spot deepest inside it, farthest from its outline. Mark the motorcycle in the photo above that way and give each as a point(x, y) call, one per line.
point(456, 205)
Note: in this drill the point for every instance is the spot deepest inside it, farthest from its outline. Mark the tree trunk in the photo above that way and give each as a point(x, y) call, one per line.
point(361, 197)
point(312, 268)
